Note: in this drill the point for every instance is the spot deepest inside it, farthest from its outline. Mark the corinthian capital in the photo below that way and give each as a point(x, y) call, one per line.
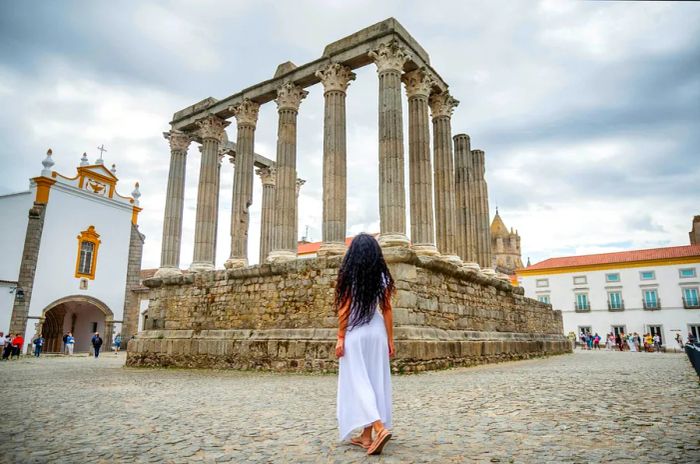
point(212, 127)
point(246, 112)
point(419, 83)
point(442, 104)
point(300, 182)
point(389, 57)
point(267, 176)
point(179, 141)
point(289, 96)
point(335, 77)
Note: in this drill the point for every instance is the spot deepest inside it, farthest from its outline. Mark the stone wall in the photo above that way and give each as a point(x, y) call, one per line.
point(280, 317)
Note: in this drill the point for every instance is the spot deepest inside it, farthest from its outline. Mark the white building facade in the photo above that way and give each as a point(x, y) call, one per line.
point(70, 250)
point(645, 291)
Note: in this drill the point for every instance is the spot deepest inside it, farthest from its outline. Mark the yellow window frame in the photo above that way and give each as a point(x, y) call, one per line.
point(93, 237)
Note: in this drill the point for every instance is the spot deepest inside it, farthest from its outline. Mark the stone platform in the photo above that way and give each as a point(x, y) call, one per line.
point(280, 317)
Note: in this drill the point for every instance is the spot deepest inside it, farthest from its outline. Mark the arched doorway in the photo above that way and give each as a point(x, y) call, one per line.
point(80, 315)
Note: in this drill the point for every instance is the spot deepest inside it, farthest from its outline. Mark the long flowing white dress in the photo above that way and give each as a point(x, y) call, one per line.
point(364, 378)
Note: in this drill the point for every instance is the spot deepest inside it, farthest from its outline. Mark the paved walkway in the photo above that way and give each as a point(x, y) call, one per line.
point(585, 407)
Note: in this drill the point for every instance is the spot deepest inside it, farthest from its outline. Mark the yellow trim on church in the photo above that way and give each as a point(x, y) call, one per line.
point(135, 215)
point(609, 266)
point(93, 237)
point(43, 187)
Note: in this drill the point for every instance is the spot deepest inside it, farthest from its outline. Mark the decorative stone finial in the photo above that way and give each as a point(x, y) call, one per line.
point(84, 160)
point(390, 57)
point(289, 96)
point(442, 104)
point(267, 176)
point(212, 127)
point(418, 83)
point(136, 194)
point(179, 141)
point(47, 163)
point(246, 112)
point(114, 169)
point(335, 77)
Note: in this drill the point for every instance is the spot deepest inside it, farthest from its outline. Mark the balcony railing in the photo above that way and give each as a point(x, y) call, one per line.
point(616, 306)
point(582, 307)
point(652, 305)
point(691, 303)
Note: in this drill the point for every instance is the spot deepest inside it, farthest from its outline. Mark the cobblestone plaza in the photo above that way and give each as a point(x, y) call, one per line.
point(585, 407)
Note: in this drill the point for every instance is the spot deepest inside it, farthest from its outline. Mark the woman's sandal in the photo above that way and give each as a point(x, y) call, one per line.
point(379, 442)
point(358, 442)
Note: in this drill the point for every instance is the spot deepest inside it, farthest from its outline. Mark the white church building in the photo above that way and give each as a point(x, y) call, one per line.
point(645, 291)
point(71, 255)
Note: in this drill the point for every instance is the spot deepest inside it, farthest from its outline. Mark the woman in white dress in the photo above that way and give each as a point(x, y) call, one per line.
point(365, 343)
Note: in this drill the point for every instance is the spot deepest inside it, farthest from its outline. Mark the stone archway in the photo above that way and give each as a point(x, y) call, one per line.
point(82, 315)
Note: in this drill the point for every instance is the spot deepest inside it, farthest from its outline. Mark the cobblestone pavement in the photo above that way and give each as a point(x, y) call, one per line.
point(585, 407)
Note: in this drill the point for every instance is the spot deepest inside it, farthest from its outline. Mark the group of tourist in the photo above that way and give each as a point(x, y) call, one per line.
point(627, 342)
point(11, 345)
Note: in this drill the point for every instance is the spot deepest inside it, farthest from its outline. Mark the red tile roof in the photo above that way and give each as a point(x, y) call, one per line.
point(618, 257)
point(312, 247)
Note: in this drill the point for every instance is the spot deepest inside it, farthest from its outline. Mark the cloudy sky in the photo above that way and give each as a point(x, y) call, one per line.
point(589, 113)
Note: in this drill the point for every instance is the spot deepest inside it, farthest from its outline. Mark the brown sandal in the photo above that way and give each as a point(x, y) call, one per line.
point(379, 442)
point(358, 442)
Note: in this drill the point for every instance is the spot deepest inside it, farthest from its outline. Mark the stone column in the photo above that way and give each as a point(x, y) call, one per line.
point(300, 182)
point(483, 230)
point(211, 130)
point(390, 59)
point(335, 79)
point(267, 176)
point(463, 200)
point(174, 204)
point(442, 105)
point(418, 87)
point(246, 114)
point(284, 244)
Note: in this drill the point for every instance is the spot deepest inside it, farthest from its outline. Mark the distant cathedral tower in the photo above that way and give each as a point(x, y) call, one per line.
point(505, 247)
point(695, 231)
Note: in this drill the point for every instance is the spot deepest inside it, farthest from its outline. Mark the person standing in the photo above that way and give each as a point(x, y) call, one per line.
point(97, 344)
point(17, 343)
point(657, 343)
point(65, 345)
point(70, 343)
point(365, 344)
point(38, 345)
point(3, 342)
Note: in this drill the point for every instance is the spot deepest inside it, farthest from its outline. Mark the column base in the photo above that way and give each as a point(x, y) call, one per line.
point(426, 249)
point(167, 272)
point(503, 277)
point(236, 263)
point(454, 259)
point(281, 256)
point(201, 266)
point(331, 249)
point(488, 271)
point(474, 266)
point(394, 240)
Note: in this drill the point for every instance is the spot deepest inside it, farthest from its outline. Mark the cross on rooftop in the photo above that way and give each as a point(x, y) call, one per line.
point(102, 150)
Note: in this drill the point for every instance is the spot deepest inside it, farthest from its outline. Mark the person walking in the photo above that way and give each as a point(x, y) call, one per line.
point(117, 343)
point(70, 343)
point(657, 343)
point(17, 343)
point(3, 344)
point(38, 345)
point(96, 344)
point(365, 344)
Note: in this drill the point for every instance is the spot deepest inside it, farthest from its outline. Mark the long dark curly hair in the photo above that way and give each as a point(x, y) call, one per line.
point(364, 278)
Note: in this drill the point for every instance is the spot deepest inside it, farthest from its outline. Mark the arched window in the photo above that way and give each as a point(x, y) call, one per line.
point(88, 244)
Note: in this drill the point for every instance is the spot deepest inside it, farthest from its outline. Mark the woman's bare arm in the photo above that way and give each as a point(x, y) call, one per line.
point(343, 316)
point(388, 322)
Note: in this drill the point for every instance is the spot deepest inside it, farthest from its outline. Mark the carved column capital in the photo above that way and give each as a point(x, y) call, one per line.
point(335, 77)
point(389, 57)
point(419, 83)
point(289, 96)
point(300, 182)
point(179, 141)
point(246, 112)
point(267, 176)
point(212, 127)
point(442, 105)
